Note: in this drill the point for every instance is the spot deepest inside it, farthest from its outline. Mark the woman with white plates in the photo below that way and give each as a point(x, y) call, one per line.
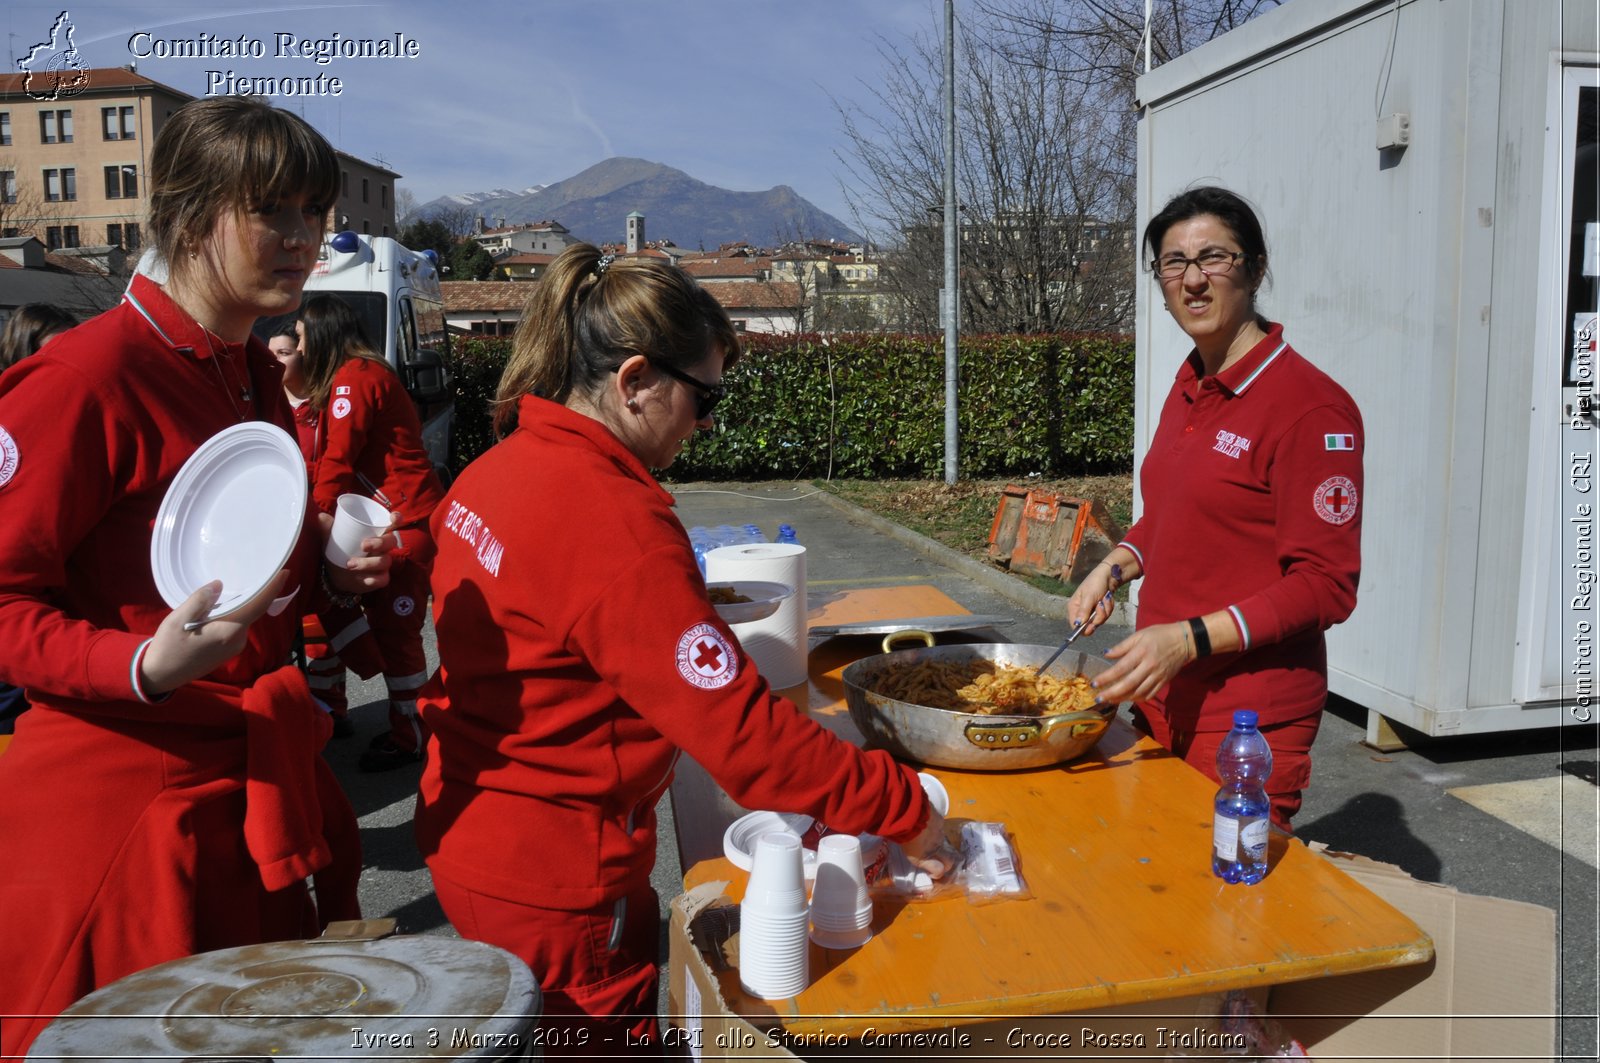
point(165, 795)
point(579, 654)
point(367, 440)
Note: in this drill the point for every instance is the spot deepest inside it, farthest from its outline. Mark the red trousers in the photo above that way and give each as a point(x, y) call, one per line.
point(1291, 751)
point(389, 628)
point(597, 969)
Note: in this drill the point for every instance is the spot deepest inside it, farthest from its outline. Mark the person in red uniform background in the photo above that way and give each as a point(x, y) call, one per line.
point(579, 654)
point(338, 636)
point(29, 327)
point(1249, 542)
point(125, 830)
point(368, 441)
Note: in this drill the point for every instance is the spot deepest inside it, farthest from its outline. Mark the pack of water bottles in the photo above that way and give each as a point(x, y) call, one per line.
point(706, 539)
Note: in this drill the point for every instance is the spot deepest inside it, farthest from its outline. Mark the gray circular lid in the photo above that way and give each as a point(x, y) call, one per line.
point(426, 997)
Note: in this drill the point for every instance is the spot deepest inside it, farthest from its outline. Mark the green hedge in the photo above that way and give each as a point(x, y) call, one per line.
point(872, 406)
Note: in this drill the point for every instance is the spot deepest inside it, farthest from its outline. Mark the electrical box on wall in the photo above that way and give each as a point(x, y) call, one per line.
point(1394, 130)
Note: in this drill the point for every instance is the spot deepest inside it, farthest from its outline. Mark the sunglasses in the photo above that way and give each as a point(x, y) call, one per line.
point(709, 395)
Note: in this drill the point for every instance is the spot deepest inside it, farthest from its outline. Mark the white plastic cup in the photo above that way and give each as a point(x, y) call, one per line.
point(774, 955)
point(773, 952)
point(777, 873)
point(841, 908)
point(938, 796)
point(355, 517)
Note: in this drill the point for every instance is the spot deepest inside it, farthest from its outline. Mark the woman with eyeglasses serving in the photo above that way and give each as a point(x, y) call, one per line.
point(579, 655)
point(1249, 542)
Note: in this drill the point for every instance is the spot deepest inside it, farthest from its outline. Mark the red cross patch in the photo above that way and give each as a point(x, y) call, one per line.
point(8, 457)
point(705, 658)
point(1335, 500)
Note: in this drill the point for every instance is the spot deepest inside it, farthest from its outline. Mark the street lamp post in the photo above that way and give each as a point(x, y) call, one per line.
point(950, 303)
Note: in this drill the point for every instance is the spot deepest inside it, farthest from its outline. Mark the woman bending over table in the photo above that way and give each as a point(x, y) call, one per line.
point(579, 654)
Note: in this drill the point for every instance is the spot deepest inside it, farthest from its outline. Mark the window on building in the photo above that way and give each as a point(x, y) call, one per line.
point(383, 196)
point(116, 123)
point(364, 198)
point(5, 128)
point(124, 235)
point(366, 227)
point(8, 186)
point(386, 230)
point(61, 185)
point(55, 127)
point(122, 182)
point(69, 236)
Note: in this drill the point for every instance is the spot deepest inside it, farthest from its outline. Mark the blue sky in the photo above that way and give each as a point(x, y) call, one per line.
point(505, 95)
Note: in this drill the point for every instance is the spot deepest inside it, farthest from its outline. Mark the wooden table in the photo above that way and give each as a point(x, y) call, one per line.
point(1115, 849)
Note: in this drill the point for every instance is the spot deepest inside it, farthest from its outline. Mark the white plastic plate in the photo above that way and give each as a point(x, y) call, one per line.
point(739, 840)
point(233, 513)
point(764, 600)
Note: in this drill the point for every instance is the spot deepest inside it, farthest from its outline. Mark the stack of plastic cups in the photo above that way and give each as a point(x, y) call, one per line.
point(841, 908)
point(773, 919)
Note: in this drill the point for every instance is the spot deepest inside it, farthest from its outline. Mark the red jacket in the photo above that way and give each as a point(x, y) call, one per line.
point(579, 656)
point(369, 442)
point(1252, 492)
point(124, 832)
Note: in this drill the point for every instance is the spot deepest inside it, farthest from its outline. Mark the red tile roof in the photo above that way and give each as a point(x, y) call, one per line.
point(710, 268)
point(762, 295)
point(101, 79)
point(484, 296)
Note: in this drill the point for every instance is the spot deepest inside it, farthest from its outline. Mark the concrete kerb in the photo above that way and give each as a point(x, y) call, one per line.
point(1030, 598)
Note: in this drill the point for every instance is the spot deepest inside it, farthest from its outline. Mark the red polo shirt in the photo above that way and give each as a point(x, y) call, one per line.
point(1252, 503)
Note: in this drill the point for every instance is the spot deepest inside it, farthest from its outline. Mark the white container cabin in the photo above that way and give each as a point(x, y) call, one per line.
point(1425, 172)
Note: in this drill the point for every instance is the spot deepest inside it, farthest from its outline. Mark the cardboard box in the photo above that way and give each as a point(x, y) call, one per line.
point(1488, 994)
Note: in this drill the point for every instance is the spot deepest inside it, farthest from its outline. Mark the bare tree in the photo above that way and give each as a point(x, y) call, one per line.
point(24, 209)
point(1044, 159)
point(405, 205)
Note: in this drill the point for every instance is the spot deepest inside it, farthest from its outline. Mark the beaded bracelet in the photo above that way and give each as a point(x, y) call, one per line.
point(337, 597)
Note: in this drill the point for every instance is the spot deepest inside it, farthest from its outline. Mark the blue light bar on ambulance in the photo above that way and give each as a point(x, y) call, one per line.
point(345, 242)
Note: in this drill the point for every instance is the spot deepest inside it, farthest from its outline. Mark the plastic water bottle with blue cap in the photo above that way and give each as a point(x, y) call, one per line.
point(1241, 811)
point(786, 534)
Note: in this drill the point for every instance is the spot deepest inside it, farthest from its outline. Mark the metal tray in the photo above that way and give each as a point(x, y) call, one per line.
point(953, 622)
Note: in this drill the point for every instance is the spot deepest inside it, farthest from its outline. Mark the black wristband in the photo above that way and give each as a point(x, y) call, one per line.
point(1202, 638)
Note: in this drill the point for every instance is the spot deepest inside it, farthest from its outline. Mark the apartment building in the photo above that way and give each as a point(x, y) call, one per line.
point(72, 170)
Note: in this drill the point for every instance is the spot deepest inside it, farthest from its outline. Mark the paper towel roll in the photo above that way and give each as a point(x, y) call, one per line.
point(778, 643)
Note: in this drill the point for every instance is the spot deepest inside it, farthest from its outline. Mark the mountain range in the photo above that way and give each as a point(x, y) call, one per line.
point(595, 204)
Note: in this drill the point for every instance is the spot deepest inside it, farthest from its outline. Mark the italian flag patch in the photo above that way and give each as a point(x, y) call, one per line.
point(1338, 442)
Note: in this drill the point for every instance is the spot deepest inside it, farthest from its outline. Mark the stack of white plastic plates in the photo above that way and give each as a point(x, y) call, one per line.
point(233, 513)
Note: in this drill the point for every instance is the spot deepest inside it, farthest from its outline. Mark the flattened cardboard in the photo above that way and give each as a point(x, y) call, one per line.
point(1488, 994)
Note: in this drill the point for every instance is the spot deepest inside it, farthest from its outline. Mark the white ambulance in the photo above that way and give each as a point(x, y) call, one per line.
point(395, 293)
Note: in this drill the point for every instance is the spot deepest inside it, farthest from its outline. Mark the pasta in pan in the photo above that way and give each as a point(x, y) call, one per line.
point(985, 687)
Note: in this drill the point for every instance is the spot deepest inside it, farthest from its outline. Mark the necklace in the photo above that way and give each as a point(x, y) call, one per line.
point(228, 381)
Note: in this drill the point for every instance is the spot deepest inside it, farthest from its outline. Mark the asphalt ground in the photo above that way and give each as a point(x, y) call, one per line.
point(1510, 815)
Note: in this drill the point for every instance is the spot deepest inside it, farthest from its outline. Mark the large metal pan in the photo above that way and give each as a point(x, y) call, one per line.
point(967, 740)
